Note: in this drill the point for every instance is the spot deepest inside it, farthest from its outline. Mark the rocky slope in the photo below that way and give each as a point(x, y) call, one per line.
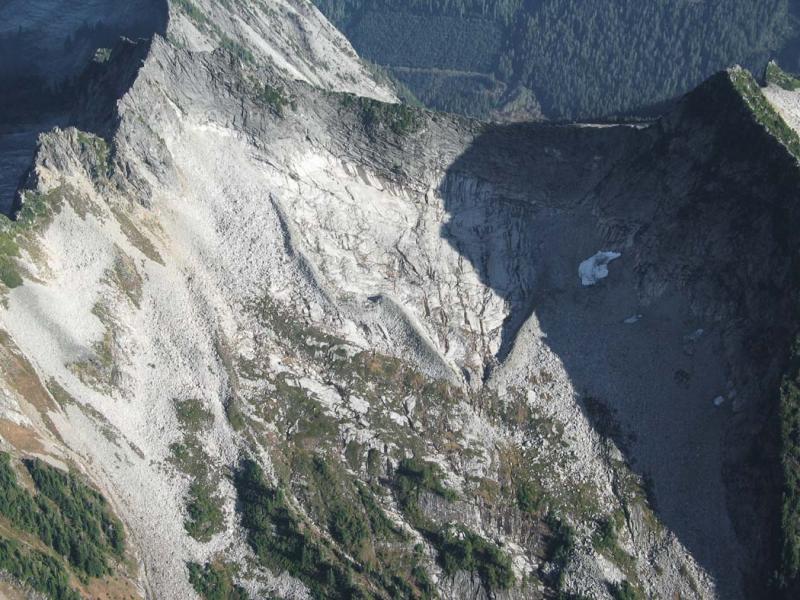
point(311, 344)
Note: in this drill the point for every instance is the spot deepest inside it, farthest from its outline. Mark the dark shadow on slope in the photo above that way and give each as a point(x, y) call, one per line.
point(698, 311)
point(57, 60)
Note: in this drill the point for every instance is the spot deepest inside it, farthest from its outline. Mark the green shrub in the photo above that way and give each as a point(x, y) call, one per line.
point(457, 548)
point(560, 548)
point(606, 536)
point(415, 475)
point(462, 550)
point(280, 541)
point(204, 511)
point(236, 49)
point(777, 76)
point(624, 591)
point(375, 115)
point(272, 97)
point(529, 497)
point(215, 582)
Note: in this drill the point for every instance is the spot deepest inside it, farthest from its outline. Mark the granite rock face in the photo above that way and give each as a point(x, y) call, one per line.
point(336, 284)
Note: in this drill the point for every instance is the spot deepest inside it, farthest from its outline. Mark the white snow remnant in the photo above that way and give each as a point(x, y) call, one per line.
point(595, 268)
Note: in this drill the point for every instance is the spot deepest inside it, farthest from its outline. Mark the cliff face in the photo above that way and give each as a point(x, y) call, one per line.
point(344, 346)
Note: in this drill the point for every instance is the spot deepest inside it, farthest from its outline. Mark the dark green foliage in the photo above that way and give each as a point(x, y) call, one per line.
point(624, 591)
point(234, 414)
point(272, 97)
point(375, 115)
point(215, 582)
point(204, 510)
point(415, 475)
point(458, 548)
point(280, 541)
point(379, 523)
point(36, 208)
point(65, 514)
point(193, 12)
point(203, 504)
point(530, 497)
point(443, 42)
point(345, 516)
point(777, 76)
point(560, 548)
point(581, 58)
point(606, 536)
point(43, 573)
point(461, 550)
point(192, 415)
point(236, 49)
point(468, 93)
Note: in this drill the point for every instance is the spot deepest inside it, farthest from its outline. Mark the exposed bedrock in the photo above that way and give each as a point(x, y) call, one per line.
point(45, 49)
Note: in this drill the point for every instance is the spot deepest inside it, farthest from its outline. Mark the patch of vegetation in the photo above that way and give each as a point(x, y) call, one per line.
point(100, 369)
point(203, 503)
point(777, 76)
point(748, 88)
point(204, 508)
point(125, 277)
point(36, 570)
point(137, 239)
point(192, 415)
point(280, 541)
point(462, 550)
point(236, 49)
point(272, 97)
point(375, 115)
point(560, 548)
point(457, 548)
point(414, 476)
point(214, 581)
point(381, 526)
point(194, 13)
point(530, 497)
point(36, 210)
point(233, 413)
point(624, 590)
point(97, 149)
point(339, 504)
point(606, 541)
point(65, 514)
point(605, 538)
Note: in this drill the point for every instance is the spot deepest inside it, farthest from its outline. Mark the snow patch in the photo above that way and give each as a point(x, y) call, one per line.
point(595, 268)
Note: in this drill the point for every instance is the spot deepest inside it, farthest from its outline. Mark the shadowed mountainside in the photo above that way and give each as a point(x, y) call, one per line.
point(684, 343)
